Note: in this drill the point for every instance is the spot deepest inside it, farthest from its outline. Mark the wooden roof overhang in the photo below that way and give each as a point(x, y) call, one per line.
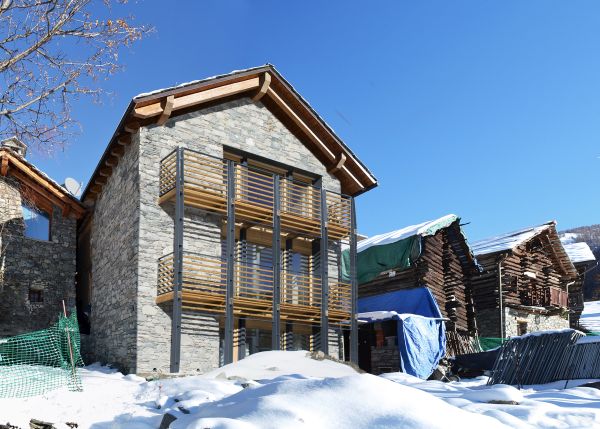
point(263, 84)
point(44, 191)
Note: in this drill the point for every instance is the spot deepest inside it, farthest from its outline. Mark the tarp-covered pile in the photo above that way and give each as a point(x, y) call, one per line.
point(420, 328)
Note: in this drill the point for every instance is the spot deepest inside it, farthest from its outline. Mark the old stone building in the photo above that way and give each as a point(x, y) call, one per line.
point(524, 284)
point(198, 187)
point(38, 220)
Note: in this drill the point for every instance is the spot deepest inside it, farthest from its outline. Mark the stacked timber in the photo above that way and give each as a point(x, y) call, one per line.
point(445, 267)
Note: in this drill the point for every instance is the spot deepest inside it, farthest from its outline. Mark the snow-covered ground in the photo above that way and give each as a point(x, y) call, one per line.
point(590, 318)
point(292, 390)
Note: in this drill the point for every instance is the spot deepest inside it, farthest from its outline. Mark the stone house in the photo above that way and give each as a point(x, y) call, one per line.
point(38, 219)
point(524, 284)
point(216, 219)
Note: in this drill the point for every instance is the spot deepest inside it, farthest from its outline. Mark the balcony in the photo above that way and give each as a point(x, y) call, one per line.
point(205, 186)
point(545, 297)
point(204, 284)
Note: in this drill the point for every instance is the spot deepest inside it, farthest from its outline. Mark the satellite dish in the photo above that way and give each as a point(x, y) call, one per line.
point(73, 186)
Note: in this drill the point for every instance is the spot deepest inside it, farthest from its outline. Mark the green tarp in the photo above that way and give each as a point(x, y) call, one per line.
point(374, 260)
point(488, 343)
point(398, 250)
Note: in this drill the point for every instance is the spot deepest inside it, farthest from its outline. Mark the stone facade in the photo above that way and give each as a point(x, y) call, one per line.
point(131, 231)
point(489, 321)
point(535, 321)
point(114, 250)
point(45, 266)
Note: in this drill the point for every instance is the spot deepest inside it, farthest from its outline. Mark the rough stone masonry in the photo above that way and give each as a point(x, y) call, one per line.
point(47, 267)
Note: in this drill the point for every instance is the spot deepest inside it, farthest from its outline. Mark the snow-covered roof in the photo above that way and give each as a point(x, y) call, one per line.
point(423, 229)
point(507, 241)
point(579, 252)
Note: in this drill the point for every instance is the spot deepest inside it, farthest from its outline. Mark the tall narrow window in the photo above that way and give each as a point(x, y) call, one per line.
point(37, 223)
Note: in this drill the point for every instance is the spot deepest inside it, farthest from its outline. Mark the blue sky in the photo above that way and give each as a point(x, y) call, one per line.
point(486, 109)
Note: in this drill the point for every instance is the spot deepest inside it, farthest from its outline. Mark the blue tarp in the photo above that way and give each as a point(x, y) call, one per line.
point(421, 331)
point(409, 301)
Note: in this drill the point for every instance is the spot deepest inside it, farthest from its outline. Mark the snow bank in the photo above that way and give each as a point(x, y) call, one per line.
point(296, 391)
point(273, 364)
point(358, 401)
point(546, 406)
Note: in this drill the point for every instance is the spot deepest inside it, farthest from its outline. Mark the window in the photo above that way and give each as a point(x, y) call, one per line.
point(36, 296)
point(521, 328)
point(37, 223)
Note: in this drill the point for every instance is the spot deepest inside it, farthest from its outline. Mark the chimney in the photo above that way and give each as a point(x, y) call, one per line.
point(16, 145)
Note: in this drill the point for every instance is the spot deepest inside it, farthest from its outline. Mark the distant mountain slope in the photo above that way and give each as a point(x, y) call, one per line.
point(590, 235)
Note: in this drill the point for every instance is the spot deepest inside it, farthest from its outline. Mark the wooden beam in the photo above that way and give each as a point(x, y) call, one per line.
point(4, 166)
point(341, 159)
point(29, 177)
point(309, 132)
point(101, 180)
point(117, 151)
point(167, 107)
point(124, 139)
point(106, 171)
point(132, 127)
point(298, 121)
point(96, 189)
point(111, 161)
point(264, 86)
point(190, 100)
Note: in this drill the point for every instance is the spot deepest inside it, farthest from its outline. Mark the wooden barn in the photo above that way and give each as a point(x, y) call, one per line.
point(524, 285)
point(584, 260)
point(434, 254)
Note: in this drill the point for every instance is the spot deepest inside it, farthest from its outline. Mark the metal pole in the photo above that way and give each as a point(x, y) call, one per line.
point(354, 285)
point(502, 330)
point(324, 273)
point(230, 249)
point(177, 263)
point(276, 331)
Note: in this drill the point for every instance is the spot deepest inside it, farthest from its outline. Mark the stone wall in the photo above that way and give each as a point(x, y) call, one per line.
point(47, 266)
point(239, 124)
point(114, 251)
point(488, 322)
point(535, 321)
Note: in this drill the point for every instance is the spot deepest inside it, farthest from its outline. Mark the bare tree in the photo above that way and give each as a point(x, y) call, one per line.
point(51, 52)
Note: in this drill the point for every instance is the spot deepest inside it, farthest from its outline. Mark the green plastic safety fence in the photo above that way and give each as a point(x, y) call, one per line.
point(35, 363)
point(489, 343)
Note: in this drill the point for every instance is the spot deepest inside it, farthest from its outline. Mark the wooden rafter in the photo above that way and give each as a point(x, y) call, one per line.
point(264, 86)
point(167, 106)
point(190, 100)
point(4, 166)
point(29, 177)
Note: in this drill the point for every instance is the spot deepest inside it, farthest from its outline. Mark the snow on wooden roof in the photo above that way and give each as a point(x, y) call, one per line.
point(422, 229)
point(579, 252)
point(508, 241)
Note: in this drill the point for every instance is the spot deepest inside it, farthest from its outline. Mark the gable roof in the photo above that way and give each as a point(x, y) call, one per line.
point(264, 84)
point(512, 240)
point(42, 186)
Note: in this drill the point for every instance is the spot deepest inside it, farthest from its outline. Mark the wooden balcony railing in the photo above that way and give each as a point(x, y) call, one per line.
point(541, 296)
point(205, 187)
point(340, 301)
point(204, 284)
